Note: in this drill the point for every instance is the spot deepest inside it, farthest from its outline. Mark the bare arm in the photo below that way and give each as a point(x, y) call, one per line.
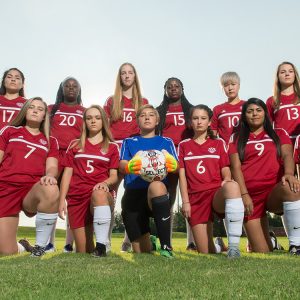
point(1, 155)
point(109, 182)
point(186, 207)
point(51, 172)
point(64, 187)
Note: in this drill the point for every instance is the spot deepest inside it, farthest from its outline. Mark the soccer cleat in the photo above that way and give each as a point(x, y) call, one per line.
point(153, 241)
point(191, 247)
point(294, 250)
point(275, 243)
point(126, 247)
point(219, 241)
point(27, 246)
point(233, 253)
point(68, 248)
point(100, 250)
point(38, 251)
point(166, 252)
point(49, 248)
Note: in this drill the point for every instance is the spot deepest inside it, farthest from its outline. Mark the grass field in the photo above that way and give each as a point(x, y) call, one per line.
point(145, 276)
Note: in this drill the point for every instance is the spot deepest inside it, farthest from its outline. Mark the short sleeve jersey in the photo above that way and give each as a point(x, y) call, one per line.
point(203, 163)
point(126, 126)
point(90, 166)
point(132, 145)
point(66, 124)
point(175, 127)
point(226, 118)
point(261, 166)
point(9, 109)
point(286, 116)
point(25, 154)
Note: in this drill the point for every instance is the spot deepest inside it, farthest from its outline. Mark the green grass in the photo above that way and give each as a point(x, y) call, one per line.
point(128, 276)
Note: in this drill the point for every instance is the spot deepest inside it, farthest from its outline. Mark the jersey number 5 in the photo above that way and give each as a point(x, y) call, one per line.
point(90, 167)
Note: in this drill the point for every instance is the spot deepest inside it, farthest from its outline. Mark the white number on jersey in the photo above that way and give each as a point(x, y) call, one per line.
point(127, 117)
point(260, 147)
point(233, 121)
point(30, 151)
point(200, 168)
point(179, 120)
point(7, 115)
point(292, 113)
point(90, 168)
point(67, 120)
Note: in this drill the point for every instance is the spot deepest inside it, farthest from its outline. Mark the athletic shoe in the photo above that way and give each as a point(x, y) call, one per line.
point(166, 252)
point(27, 246)
point(49, 248)
point(233, 253)
point(100, 250)
point(219, 241)
point(294, 250)
point(191, 247)
point(38, 251)
point(153, 241)
point(276, 245)
point(68, 248)
point(126, 247)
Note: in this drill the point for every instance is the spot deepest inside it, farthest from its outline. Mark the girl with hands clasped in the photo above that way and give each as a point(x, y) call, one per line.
point(28, 170)
point(206, 185)
point(262, 163)
point(91, 165)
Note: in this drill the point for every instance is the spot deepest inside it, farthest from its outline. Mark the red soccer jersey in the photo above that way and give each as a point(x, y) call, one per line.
point(24, 154)
point(287, 116)
point(203, 163)
point(9, 109)
point(226, 118)
point(175, 127)
point(66, 124)
point(90, 166)
point(127, 126)
point(261, 166)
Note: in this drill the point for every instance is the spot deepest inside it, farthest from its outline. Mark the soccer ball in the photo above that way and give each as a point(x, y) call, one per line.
point(153, 165)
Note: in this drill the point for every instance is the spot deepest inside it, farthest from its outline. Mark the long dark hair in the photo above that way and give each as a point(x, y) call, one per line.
point(60, 98)
point(3, 88)
point(242, 135)
point(163, 107)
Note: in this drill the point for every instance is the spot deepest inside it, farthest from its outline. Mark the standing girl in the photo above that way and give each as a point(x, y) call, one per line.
point(90, 171)
point(206, 185)
point(28, 157)
point(11, 95)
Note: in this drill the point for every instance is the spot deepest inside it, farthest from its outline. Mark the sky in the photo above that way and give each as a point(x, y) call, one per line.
point(193, 40)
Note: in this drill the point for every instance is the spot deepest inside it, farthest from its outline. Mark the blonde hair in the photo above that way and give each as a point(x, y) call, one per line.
point(147, 106)
point(20, 119)
point(230, 77)
point(277, 85)
point(107, 136)
point(117, 104)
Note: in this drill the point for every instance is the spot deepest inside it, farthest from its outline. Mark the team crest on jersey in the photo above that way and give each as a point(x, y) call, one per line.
point(79, 111)
point(19, 104)
point(43, 142)
point(212, 150)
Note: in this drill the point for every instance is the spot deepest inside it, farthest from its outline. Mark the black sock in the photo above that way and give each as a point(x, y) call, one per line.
point(162, 217)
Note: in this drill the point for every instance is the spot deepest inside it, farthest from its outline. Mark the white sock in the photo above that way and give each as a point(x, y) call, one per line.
point(44, 224)
point(291, 216)
point(102, 218)
point(52, 236)
point(218, 248)
point(21, 249)
point(234, 216)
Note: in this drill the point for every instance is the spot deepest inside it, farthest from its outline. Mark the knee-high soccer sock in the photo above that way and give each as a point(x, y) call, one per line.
point(162, 218)
point(52, 236)
point(234, 216)
point(44, 224)
point(102, 218)
point(291, 216)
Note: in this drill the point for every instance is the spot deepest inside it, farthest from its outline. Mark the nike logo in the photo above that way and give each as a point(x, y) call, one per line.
point(296, 227)
point(165, 219)
point(50, 223)
point(233, 221)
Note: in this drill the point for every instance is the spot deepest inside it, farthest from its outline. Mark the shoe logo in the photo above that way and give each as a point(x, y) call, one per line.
point(296, 227)
point(165, 219)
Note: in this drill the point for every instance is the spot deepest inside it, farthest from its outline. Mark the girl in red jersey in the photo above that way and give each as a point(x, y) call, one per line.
point(206, 185)
point(11, 95)
point(28, 167)
point(66, 123)
point(90, 171)
point(262, 164)
point(174, 115)
point(284, 105)
point(121, 110)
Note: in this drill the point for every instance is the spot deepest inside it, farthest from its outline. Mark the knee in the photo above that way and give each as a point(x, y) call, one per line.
point(50, 194)
point(157, 188)
point(231, 189)
point(99, 197)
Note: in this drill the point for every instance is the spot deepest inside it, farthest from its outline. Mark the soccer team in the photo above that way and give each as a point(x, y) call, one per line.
point(236, 162)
